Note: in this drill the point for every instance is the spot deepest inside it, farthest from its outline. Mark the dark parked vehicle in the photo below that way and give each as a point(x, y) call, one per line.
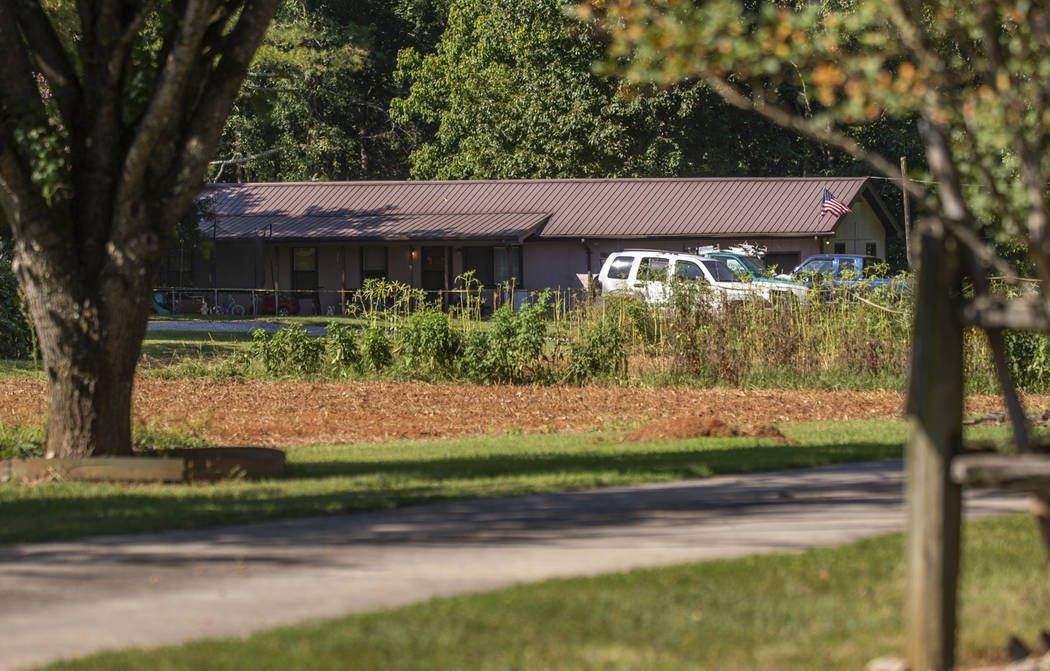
point(287, 304)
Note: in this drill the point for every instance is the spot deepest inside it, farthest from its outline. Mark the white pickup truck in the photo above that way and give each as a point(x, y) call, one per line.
point(646, 273)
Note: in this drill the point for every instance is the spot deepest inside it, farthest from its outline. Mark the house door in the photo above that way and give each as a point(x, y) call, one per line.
point(433, 268)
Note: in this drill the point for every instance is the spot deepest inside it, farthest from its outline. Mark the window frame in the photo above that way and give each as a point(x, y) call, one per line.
point(310, 274)
point(366, 273)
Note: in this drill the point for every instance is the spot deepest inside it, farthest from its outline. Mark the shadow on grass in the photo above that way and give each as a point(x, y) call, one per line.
point(681, 463)
point(671, 515)
point(70, 510)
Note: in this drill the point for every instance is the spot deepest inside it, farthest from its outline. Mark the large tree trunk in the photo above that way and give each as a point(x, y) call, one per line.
point(103, 144)
point(90, 321)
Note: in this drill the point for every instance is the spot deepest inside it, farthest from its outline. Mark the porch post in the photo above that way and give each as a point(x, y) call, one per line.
point(412, 266)
point(341, 255)
point(447, 263)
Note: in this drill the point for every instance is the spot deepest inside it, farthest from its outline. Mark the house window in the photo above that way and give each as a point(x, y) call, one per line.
point(304, 267)
point(870, 249)
point(840, 247)
point(373, 263)
point(493, 265)
point(479, 259)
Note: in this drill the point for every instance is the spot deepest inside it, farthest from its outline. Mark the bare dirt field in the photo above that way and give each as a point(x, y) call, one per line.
point(239, 412)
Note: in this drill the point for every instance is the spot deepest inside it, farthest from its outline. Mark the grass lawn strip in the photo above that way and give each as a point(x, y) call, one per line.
point(171, 346)
point(351, 478)
point(829, 608)
point(348, 478)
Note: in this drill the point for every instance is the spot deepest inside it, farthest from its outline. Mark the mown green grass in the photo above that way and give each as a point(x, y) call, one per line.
point(174, 345)
point(823, 609)
point(14, 368)
point(347, 478)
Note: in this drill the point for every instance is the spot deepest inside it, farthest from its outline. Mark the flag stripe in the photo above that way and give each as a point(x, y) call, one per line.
point(833, 205)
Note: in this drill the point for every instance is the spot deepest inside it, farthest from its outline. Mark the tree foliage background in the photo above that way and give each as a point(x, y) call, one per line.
point(315, 105)
point(16, 336)
point(972, 75)
point(469, 89)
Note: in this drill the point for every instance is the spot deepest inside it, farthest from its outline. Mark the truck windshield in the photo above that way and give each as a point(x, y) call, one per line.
point(756, 269)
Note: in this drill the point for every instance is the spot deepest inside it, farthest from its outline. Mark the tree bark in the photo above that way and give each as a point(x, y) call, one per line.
point(935, 437)
point(90, 327)
point(95, 172)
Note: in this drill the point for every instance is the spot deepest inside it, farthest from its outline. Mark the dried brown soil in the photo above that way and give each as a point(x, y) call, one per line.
point(697, 427)
point(248, 412)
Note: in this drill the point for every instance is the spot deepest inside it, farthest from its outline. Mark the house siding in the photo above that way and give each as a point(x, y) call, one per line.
point(558, 223)
point(857, 229)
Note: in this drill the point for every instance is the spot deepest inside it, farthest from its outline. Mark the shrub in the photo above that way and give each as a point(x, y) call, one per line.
point(17, 340)
point(427, 341)
point(21, 441)
point(602, 352)
point(474, 361)
point(1028, 355)
point(377, 350)
point(342, 354)
point(290, 351)
point(515, 344)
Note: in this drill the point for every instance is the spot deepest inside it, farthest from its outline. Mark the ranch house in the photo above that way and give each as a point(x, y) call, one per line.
point(323, 239)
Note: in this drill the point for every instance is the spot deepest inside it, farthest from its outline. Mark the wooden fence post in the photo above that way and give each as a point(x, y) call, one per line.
point(935, 436)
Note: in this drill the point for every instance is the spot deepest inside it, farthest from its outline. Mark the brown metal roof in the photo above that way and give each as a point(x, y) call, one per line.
point(505, 209)
point(500, 226)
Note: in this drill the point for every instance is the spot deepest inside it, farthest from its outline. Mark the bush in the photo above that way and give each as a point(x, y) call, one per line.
point(377, 351)
point(21, 441)
point(427, 342)
point(603, 352)
point(514, 348)
point(16, 334)
point(1028, 355)
point(342, 354)
point(290, 351)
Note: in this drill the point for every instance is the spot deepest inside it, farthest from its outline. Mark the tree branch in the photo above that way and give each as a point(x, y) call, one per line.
point(247, 159)
point(51, 57)
point(164, 105)
point(217, 96)
point(127, 37)
point(806, 127)
point(20, 109)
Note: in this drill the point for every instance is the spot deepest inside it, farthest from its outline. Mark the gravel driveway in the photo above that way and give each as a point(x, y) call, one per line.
point(237, 326)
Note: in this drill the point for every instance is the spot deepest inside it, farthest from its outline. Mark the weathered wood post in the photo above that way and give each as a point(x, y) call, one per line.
point(935, 397)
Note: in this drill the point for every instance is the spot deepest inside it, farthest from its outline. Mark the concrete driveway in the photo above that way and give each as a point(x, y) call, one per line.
point(69, 599)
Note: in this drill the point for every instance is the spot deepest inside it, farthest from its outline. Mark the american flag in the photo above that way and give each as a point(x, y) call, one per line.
point(833, 205)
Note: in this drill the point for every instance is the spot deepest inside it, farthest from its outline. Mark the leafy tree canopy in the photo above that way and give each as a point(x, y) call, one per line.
point(974, 74)
point(315, 105)
point(510, 93)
